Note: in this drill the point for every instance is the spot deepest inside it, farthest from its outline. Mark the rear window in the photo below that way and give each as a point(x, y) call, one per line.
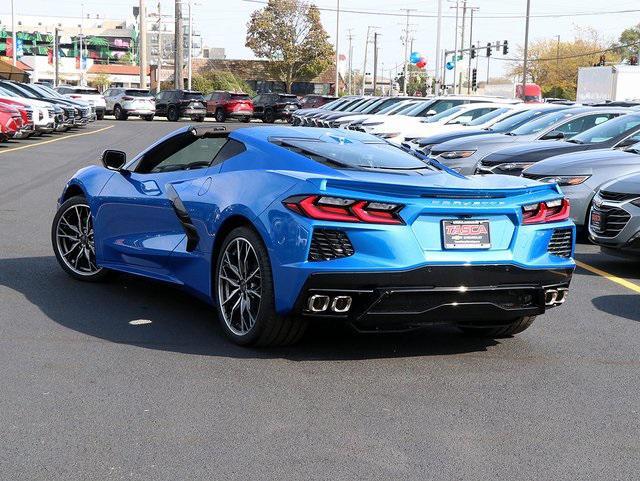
point(85, 91)
point(239, 97)
point(137, 93)
point(288, 98)
point(358, 156)
point(192, 96)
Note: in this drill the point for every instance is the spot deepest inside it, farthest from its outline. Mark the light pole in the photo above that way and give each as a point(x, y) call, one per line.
point(406, 53)
point(438, 47)
point(337, 84)
point(13, 36)
point(364, 65)
point(455, 48)
point(526, 50)
point(143, 44)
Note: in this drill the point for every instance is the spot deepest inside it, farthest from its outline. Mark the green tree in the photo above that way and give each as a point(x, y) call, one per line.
point(219, 80)
point(629, 36)
point(290, 34)
point(101, 82)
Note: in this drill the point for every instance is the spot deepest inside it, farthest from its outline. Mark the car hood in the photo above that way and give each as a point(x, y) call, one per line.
point(629, 184)
point(583, 163)
point(532, 151)
point(439, 138)
point(476, 141)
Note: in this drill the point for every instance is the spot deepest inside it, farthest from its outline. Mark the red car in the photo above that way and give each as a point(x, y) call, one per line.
point(10, 122)
point(313, 101)
point(224, 105)
point(26, 114)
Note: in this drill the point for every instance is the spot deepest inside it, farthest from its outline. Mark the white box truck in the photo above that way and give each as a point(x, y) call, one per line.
point(608, 83)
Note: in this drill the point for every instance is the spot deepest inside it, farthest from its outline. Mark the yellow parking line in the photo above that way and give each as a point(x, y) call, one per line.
point(55, 140)
point(618, 280)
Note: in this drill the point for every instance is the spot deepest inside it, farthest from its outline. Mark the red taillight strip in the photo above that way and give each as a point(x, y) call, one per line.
point(544, 213)
point(356, 211)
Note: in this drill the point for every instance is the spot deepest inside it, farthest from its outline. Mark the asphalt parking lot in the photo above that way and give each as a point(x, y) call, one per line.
point(87, 395)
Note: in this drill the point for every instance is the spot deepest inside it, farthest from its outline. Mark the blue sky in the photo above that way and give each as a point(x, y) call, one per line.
point(223, 22)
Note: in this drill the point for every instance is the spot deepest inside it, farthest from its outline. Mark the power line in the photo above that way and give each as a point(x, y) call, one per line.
point(490, 16)
point(568, 57)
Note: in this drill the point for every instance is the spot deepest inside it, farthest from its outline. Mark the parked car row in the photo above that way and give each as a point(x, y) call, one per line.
point(31, 110)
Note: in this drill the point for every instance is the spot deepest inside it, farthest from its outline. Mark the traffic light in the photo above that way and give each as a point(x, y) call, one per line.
point(489, 49)
point(473, 51)
point(474, 79)
point(505, 47)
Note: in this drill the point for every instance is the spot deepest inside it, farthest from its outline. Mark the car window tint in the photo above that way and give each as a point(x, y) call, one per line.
point(609, 130)
point(583, 123)
point(230, 149)
point(184, 151)
point(541, 123)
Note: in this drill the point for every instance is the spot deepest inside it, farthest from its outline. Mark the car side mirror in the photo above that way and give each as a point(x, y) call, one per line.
point(553, 135)
point(431, 112)
point(114, 159)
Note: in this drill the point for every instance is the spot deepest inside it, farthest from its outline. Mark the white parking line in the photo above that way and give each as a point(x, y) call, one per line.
point(55, 140)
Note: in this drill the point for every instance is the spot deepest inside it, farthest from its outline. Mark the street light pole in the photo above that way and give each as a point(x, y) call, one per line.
point(143, 44)
point(364, 65)
point(179, 47)
point(337, 84)
point(406, 54)
point(526, 50)
point(13, 36)
point(438, 47)
point(455, 48)
point(189, 54)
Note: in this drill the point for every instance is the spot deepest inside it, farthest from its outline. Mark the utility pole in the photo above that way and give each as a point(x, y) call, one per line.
point(364, 65)
point(526, 50)
point(375, 61)
point(350, 65)
point(406, 53)
point(558, 53)
point(81, 46)
point(337, 84)
point(470, 47)
point(143, 44)
point(455, 48)
point(56, 56)
point(464, 16)
point(189, 53)
point(438, 47)
point(178, 61)
point(14, 36)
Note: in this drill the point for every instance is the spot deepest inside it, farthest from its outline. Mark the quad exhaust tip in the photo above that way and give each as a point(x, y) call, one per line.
point(322, 303)
point(555, 297)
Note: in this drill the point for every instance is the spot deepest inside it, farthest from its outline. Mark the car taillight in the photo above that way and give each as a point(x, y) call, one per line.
point(339, 209)
point(126, 97)
point(549, 211)
point(75, 96)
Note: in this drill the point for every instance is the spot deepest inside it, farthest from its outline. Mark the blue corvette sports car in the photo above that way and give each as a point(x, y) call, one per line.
point(276, 226)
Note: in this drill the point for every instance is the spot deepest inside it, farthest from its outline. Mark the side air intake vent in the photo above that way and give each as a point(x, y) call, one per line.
point(329, 244)
point(560, 243)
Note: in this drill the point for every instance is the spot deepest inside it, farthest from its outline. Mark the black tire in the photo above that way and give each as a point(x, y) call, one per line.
point(100, 115)
point(220, 115)
point(119, 114)
point(172, 114)
point(269, 116)
point(98, 276)
point(269, 329)
point(148, 118)
point(507, 330)
point(198, 118)
point(246, 120)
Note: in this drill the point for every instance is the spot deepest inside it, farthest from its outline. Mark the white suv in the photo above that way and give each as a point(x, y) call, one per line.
point(86, 94)
point(123, 102)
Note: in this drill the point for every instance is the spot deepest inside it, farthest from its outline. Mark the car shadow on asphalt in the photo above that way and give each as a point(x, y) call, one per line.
point(181, 323)
point(626, 306)
point(627, 268)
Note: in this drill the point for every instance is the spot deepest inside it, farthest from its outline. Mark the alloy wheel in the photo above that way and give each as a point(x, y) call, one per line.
point(75, 240)
point(239, 286)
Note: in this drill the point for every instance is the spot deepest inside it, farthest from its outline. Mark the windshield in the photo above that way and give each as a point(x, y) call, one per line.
point(393, 108)
point(518, 119)
point(360, 156)
point(542, 123)
point(443, 115)
point(23, 91)
point(8, 92)
point(380, 105)
point(50, 91)
point(350, 104)
point(483, 119)
point(365, 106)
point(608, 130)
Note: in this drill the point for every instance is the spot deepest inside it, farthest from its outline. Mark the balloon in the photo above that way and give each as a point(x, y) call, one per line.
point(415, 57)
point(450, 65)
point(422, 63)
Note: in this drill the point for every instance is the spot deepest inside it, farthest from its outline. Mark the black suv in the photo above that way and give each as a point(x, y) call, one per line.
point(271, 107)
point(174, 104)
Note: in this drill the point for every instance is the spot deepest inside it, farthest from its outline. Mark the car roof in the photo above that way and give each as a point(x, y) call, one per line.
point(265, 133)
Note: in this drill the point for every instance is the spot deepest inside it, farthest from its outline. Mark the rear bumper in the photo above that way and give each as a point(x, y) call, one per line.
point(188, 112)
point(243, 114)
point(140, 112)
point(469, 294)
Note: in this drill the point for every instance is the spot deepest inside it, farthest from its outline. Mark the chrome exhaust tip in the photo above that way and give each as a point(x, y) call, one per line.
point(318, 303)
point(341, 304)
point(550, 297)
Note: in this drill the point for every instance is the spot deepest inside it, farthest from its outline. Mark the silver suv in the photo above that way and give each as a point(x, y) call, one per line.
point(123, 102)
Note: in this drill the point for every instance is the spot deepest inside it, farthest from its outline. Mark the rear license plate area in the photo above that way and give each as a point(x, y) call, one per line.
point(466, 234)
